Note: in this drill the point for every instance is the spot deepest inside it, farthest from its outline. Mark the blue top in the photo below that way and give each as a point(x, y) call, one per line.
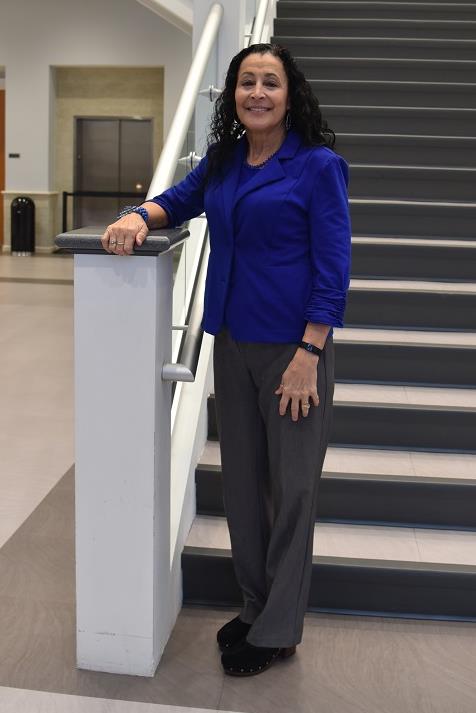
point(280, 240)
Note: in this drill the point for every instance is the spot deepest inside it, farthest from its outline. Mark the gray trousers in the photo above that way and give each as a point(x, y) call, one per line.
point(271, 468)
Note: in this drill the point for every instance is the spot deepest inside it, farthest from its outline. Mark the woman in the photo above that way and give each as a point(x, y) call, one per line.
point(275, 196)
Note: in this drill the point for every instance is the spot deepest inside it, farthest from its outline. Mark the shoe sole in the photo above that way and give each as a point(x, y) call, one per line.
point(282, 654)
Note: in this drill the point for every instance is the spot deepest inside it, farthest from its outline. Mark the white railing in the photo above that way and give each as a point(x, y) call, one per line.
point(171, 151)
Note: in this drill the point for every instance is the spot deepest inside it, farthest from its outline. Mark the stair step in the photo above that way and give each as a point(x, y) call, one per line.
point(370, 499)
point(396, 363)
point(412, 418)
point(388, 69)
point(366, 46)
point(399, 463)
point(413, 219)
point(376, 27)
point(412, 304)
point(414, 259)
point(404, 10)
point(395, 149)
point(360, 92)
point(414, 338)
point(356, 568)
point(431, 183)
point(400, 120)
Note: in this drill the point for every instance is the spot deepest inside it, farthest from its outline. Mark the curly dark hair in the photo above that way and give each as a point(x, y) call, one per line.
point(305, 113)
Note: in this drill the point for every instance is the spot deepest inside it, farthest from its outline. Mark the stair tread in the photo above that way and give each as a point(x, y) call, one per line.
point(423, 396)
point(439, 397)
point(408, 337)
point(422, 242)
point(368, 461)
point(413, 286)
point(369, 542)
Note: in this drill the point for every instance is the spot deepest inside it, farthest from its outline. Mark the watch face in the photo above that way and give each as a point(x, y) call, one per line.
point(309, 347)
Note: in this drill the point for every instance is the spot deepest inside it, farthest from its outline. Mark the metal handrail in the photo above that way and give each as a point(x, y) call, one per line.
point(258, 25)
point(165, 170)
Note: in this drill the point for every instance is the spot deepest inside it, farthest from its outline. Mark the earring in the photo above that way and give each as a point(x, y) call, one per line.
point(288, 121)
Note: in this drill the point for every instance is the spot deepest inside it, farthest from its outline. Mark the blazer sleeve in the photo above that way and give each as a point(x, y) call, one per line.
point(184, 200)
point(330, 249)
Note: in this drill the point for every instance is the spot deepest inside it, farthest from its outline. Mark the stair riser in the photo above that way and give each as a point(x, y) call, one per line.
point(384, 70)
point(412, 184)
point(378, 426)
point(361, 499)
point(413, 262)
point(385, 427)
point(394, 120)
point(351, 586)
point(400, 95)
point(401, 364)
point(377, 47)
point(413, 310)
point(413, 221)
point(419, 151)
point(450, 11)
point(366, 27)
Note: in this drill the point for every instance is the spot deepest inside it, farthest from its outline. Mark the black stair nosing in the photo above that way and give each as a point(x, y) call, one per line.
point(371, 499)
point(378, 27)
point(378, 586)
point(441, 429)
point(379, 46)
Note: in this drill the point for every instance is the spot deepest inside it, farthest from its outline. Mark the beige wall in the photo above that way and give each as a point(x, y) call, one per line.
point(101, 91)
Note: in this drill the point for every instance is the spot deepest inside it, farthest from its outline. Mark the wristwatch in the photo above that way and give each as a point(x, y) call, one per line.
point(311, 348)
point(143, 212)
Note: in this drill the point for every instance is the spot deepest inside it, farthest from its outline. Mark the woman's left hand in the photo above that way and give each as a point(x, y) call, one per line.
point(299, 385)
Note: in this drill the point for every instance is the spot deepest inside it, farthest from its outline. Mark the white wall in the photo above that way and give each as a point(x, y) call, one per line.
point(71, 33)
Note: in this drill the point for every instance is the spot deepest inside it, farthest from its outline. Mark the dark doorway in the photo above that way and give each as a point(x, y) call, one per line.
point(113, 155)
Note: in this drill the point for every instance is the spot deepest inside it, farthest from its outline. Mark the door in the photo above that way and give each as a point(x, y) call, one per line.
point(112, 156)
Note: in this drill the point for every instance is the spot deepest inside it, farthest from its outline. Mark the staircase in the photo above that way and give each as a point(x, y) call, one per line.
point(396, 521)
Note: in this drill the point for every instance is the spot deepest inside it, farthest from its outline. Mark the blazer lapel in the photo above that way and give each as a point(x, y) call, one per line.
point(272, 171)
point(230, 181)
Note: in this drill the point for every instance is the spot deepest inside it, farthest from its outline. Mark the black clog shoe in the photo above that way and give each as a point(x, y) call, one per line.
point(248, 660)
point(232, 633)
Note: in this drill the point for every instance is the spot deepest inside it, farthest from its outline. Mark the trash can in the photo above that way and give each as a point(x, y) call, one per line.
point(23, 226)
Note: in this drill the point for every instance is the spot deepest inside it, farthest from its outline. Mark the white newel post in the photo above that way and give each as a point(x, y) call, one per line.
point(122, 332)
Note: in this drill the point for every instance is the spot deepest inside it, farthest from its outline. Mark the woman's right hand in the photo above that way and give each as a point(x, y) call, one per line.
point(120, 237)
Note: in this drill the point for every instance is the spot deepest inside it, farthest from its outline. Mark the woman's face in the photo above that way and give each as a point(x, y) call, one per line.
point(261, 94)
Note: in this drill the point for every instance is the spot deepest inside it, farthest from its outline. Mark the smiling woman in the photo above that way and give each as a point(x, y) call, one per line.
point(275, 196)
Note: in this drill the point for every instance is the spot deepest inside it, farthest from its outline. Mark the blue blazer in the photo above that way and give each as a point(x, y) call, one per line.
point(280, 243)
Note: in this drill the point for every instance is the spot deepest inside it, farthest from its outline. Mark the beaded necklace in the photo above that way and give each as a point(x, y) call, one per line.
point(263, 163)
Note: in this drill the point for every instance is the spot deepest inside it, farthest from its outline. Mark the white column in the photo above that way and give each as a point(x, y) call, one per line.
point(122, 338)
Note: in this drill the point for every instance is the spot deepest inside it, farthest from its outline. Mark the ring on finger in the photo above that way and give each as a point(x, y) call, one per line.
point(113, 241)
point(120, 243)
